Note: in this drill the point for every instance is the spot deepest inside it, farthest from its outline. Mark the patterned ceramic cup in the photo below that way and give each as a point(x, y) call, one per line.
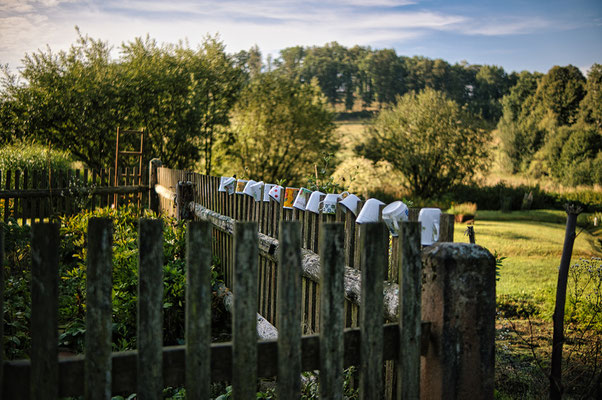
point(302, 198)
point(313, 204)
point(289, 197)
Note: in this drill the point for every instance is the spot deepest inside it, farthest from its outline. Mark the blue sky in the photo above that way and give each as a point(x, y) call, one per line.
point(515, 34)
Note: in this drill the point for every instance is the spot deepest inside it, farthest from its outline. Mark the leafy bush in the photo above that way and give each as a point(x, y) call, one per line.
point(72, 282)
point(493, 197)
point(463, 208)
point(584, 305)
point(32, 156)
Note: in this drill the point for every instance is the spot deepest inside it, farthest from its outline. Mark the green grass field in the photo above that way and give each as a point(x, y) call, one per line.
point(532, 243)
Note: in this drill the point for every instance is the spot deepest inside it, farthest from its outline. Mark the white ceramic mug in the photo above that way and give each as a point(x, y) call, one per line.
point(430, 219)
point(266, 191)
point(329, 204)
point(313, 204)
point(350, 202)
point(369, 212)
point(253, 189)
point(393, 214)
point(302, 198)
point(276, 193)
point(227, 184)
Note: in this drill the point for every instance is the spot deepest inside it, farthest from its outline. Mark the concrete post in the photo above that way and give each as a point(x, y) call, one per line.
point(184, 195)
point(458, 299)
point(153, 179)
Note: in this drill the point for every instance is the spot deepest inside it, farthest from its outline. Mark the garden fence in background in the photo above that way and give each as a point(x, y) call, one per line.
point(35, 195)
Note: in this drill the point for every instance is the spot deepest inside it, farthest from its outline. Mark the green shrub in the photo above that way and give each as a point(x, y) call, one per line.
point(72, 282)
point(516, 306)
point(23, 156)
point(493, 197)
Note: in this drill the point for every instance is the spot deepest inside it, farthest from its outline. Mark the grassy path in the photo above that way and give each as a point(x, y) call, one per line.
point(532, 242)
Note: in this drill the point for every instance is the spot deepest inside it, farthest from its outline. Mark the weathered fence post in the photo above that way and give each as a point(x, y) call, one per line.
point(150, 309)
point(374, 242)
point(410, 282)
point(289, 311)
point(44, 311)
point(458, 300)
point(184, 195)
point(198, 310)
point(446, 227)
point(97, 364)
point(153, 197)
point(244, 321)
point(556, 388)
point(332, 322)
point(1, 309)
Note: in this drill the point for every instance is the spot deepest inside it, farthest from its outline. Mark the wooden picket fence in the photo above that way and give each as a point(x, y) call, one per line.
point(152, 367)
point(35, 195)
point(226, 209)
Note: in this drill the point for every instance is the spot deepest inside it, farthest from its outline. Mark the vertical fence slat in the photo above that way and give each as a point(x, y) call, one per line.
point(198, 310)
point(332, 309)
point(17, 201)
point(26, 202)
point(289, 313)
point(244, 324)
point(150, 309)
point(1, 305)
point(7, 175)
point(410, 295)
point(373, 262)
point(44, 311)
point(97, 365)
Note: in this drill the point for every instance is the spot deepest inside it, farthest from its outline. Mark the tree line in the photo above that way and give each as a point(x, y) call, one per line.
point(207, 109)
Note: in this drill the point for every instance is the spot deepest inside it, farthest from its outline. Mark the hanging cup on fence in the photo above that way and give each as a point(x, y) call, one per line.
point(227, 184)
point(393, 214)
point(350, 202)
point(430, 219)
point(266, 191)
point(240, 186)
point(276, 192)
point(302, 198)
point(289, 197)
point(329, 204)
point(313, 204)
point(370, 211)
point(253, 189)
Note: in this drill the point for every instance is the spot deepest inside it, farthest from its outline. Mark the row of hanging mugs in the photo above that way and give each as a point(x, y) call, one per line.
point(318, 202)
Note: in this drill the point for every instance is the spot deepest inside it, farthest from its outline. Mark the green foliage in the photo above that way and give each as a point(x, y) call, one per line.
point(76, 99)
point(32, 156)
point(429, 139)
point(492, 197)
point(125, 277)
point(584, 297)
point(17, 309)
point(323, 180)
point(591, 105)
point(72, 282)
point(280, 127)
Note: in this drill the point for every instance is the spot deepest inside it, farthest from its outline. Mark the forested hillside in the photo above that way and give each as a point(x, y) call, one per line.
point(211, 109)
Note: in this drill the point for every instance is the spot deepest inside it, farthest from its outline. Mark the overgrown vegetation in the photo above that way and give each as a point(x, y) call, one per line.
point(33, 156)
point(72, 282)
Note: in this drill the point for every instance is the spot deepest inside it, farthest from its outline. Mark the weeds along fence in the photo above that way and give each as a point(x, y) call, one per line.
point(35, 195)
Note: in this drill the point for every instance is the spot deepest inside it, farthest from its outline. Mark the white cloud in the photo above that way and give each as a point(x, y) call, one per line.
point(26, 25)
